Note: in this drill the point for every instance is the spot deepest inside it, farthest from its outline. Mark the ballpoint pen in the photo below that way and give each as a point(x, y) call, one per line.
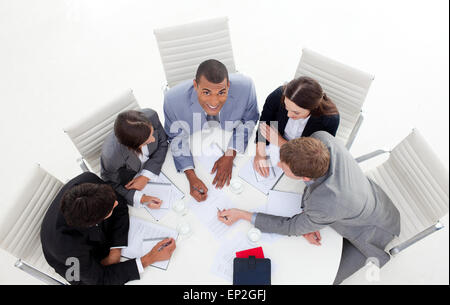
point(159, 183)
point(198, 190)
point(226, 218)
point(154, 238)
point(164, 245)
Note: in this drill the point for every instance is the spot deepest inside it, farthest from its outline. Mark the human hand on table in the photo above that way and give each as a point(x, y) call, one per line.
point(162, 251)
point(137, 183)
point(151, 201)
point(223, 168)
point(230, 216)
point(313, 238)
point(198, 189)
point(261, 165)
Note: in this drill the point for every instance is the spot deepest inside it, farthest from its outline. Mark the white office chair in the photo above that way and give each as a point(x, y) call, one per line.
point(89, 133)
point(20, 232)
point(418, 184)
point(346, 86)
point(184, 47)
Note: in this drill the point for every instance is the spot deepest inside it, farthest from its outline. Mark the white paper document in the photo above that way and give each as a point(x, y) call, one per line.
point(209, 155)
point(223, 262)
point(264, 184)
point(140, 230)
point(165, 190)
point(283, 204)
point(206, 211)
point(280, 204)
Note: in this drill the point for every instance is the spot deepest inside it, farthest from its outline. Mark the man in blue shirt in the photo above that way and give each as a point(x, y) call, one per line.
point(213, 97)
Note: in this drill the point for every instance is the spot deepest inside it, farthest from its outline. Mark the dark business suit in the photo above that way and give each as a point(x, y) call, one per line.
point(89, 245)
point(273, 110)
point(119, 164)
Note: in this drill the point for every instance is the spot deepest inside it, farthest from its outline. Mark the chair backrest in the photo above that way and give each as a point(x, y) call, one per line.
point(20, 232)
point(184, 47)
point(89, 133)
point(417, 182)
point(346, 86)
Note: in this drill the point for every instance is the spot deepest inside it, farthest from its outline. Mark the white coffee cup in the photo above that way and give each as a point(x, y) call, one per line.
point(236, 186)
point(184, 228)
point(180, 208)
point(254, 235)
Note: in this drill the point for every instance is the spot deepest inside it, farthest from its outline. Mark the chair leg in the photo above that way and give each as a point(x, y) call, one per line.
point(354, 132)
point(83, 165)
point(397, 249)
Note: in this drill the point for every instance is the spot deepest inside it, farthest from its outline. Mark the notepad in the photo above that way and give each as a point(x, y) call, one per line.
point(256, 252)
point(283, 204)
point(165, 190)
point(263, 184)
point(140, 230)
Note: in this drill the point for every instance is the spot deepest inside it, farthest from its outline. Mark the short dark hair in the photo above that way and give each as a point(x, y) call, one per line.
point(132, 129)
point(306, 157)
point(87, 204)
point(213, 70)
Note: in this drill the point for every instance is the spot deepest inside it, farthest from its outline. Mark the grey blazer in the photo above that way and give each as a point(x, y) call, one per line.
point(119, 164)
point(346, 200)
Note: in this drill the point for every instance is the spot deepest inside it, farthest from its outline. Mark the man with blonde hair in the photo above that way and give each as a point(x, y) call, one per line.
point(337, 194)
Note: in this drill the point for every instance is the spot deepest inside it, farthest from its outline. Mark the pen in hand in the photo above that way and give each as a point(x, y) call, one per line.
point(225, 217)
point(198, 190)
point(164, 245)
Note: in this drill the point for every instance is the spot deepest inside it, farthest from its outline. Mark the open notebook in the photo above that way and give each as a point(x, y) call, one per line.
point(140, 230)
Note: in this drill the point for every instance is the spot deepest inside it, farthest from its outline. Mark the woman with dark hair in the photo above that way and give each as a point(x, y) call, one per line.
point(295, 110)
point(133, 154)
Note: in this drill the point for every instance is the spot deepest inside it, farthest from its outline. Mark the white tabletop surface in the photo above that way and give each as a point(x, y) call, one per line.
point(293, 259)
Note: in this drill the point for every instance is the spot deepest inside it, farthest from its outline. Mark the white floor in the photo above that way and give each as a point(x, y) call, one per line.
point(62, 59)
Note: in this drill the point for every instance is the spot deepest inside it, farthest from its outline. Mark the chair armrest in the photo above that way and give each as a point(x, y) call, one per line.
point(165, 88)
point(83, 165)
point(371, 155)
point(37, 273)
point(354, 132)
point(397, 249)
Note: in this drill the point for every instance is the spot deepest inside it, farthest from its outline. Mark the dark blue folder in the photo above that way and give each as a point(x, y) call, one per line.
point(251, 271)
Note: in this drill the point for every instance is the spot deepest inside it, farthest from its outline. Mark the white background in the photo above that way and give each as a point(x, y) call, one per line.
point(60, 60)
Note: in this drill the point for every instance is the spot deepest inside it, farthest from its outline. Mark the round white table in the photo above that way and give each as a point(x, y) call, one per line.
point(293, 259)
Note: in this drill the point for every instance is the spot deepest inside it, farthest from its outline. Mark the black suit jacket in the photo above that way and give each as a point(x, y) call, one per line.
point(273, 110)
point(89, 245)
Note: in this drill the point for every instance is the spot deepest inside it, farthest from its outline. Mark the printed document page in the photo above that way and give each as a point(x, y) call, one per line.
point(140, 230)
